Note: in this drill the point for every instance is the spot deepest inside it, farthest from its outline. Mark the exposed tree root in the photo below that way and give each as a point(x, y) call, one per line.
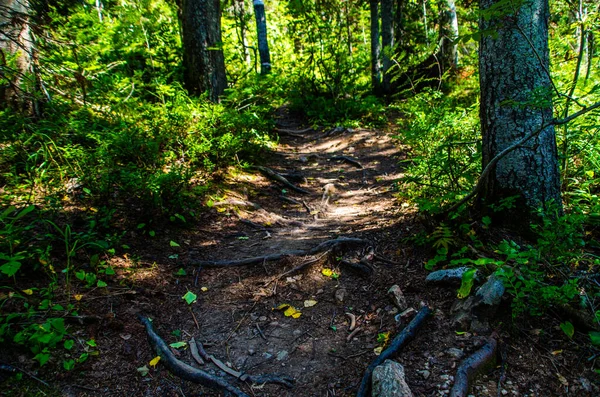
point(324, 246)
point(183, 370)
point(348, 160)
point(294, 133)
point(269, 173)
point(472, 366)
point(397, 344)
point(187, 372)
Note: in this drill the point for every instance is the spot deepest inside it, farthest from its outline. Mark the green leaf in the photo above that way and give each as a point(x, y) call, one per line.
point(568, 329)
point(91, 343)
point(42, 358)
point(101, 284)
point(174, 256)
point(178, 345)
point(595, 338)
point(189, 297)
point(181, 272)
point(69, 343)
point(143, 370)
point(10, 268)
point(69, 364)
point(58, 307)
point(109, 271)
point(467, 283)
point(173, 244)
point(152, 233)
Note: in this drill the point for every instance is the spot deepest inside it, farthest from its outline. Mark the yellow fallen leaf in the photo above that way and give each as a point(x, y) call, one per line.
point(28, 291)
point(282, 306)
point(204, 289)
point(556, 352)
point(292, 312)
point(378, 350)
point(78, 297)
point(327, 272)
point(309, 303)
point(154, 361)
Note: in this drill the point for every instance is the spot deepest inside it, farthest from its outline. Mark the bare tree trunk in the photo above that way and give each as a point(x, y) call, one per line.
point(387, 42)
point(375, 48)
point(203, 60)
point(16, 38)
point(516, 99)
point(239, 7)
point(263, 44)
point(448, 48)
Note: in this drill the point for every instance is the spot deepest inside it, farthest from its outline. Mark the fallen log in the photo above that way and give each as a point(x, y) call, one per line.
point(269, 173)
point(183, 370)
point(397, 344)
point(472, 366)
point(324, 246)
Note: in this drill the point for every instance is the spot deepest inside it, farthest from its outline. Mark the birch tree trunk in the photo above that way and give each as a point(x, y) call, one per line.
point(387, 42)
point(448, 48)
point(263, 44)
point(375, 48)
point(15, 39)
point(203, 60)
point(516, 99)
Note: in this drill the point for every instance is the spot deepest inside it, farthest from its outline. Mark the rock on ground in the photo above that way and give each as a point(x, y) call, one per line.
point(389, 381)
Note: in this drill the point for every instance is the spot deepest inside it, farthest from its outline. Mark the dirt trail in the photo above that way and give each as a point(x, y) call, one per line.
point(234, 314)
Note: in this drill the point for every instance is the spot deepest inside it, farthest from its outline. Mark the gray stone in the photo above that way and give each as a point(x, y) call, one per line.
point(491, 292)
point(424, 373)
point(389, 381)
point(447, 276)
point(282, 355)
point(340, 295)
point(456, 353)
point(397, 297)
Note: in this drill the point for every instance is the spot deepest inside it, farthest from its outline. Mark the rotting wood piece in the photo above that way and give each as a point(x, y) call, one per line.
point(398, 343)
point(269, 173)
point(183, 370)
point(324, 246)
point(472, 366)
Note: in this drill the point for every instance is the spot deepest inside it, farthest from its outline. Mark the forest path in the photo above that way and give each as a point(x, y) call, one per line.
point(235, 315)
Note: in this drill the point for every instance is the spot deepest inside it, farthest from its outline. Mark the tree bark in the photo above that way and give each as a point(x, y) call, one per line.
point(516, 99)
point(203, 60)
point(263, 44)
point(15, 39)
point(375, 48)
point(448, 48)
point(239, 7)
point(387, 42)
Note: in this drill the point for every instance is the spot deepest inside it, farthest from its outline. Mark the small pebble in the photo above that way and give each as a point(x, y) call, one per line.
point(504, 392)
point(340, 294)
point(262, 318)
point(424, 373)
point(282, 355)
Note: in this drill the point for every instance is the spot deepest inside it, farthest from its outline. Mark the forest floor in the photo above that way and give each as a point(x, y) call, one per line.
point(234, 315)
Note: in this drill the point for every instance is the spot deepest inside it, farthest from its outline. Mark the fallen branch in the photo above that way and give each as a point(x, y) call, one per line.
point(472, 366)
point(294, 132)
point(237, 203)
point(324, 246)
point(183, 370)
point(397, 344)
point(198, 352)
point(269, 173)
point(348, 160)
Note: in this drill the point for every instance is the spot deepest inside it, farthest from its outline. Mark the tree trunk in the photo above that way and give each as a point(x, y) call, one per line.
point(448, 48)
point(239, 7)
point(375, 48)
point(263, 44)
point(387, 42)
point(16, 39)
point(203, 60)
point(516, 100)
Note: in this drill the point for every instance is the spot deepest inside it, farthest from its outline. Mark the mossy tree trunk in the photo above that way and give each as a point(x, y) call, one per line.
point(203, 60)
point(387, 43)
point(516, 99)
